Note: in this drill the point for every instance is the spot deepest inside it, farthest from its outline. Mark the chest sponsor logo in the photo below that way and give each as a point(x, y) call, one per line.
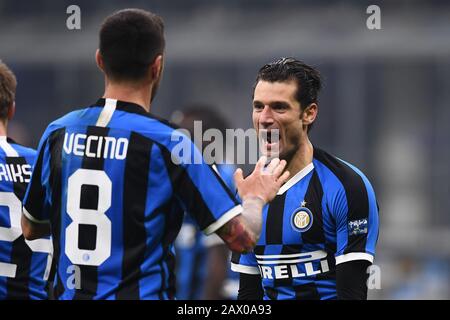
point(296, 265)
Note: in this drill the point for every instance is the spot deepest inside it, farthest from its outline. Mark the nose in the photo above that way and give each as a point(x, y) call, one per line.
point(266, 117)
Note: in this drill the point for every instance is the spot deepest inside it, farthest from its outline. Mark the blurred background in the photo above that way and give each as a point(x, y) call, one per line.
point(384, 106)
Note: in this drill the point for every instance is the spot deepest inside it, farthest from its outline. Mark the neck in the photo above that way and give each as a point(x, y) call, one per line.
point(138, 93)
point(3, 126)
point(301, 158)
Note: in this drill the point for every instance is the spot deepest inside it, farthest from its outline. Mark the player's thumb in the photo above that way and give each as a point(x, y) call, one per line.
point(238, 177)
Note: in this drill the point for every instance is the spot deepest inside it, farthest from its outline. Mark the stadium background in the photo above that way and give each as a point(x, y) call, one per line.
point(384, 106)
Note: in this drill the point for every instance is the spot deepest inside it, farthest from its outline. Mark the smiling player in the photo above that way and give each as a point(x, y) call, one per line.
point(319, 233)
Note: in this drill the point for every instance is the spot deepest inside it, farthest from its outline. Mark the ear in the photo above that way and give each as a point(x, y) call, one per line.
point(99, 60)
point(156, 67)
point(11, 111)
point(310, 114)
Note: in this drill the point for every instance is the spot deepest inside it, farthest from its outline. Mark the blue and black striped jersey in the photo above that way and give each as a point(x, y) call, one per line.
point(114, 182)
point(325, 215)
point(192, 247)
point(24, 265)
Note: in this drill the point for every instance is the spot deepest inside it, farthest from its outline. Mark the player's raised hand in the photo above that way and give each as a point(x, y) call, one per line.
point(264, 182)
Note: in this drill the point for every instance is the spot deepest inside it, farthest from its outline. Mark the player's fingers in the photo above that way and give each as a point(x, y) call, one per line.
point(260, 164)
point(284, 177)
point(272, 165)
point(279, 169)
point(238, 177)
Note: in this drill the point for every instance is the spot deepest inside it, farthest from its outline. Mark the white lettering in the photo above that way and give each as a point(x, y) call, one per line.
point(106, 147)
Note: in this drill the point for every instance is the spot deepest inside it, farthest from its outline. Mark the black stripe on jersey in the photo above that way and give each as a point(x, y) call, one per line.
point(185, 188)
point(306, 292)
point(173, 222)
point(235, 257)
point(171, 264)
point(274, 221)
point(89, 274)
point(313, 199)
point(134, 200)
point(36, 194)
point(356, 194)
point(55, 142)
point(21, 254)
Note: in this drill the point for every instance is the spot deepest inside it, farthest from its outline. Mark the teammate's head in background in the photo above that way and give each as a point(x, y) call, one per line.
point(8, 84)
point(131, 49)
point(285, 97)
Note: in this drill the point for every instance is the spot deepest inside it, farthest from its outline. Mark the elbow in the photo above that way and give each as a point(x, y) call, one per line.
point(27, 229)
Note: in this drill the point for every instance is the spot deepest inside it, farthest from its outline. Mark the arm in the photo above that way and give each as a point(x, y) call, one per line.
point(32, 230)
point(242, 232)
point(351, 280)
point(250, 287)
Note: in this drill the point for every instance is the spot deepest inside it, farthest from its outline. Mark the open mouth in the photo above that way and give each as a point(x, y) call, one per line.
point(270, 140)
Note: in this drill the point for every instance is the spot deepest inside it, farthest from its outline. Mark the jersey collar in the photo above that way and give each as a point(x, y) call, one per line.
point(299, 176)
point(124, 106)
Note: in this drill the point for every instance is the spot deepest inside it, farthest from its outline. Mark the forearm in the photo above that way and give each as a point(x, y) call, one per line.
point(351, 280)
point(33, 231)
point(242, 232)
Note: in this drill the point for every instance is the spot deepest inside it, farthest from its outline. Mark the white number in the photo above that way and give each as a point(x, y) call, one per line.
point(97, 217)
point(10, 200)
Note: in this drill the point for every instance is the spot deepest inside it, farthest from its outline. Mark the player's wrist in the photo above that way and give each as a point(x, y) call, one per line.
point(253, 200)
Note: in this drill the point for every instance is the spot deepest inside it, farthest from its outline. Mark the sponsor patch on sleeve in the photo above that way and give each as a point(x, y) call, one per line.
point(357, 227)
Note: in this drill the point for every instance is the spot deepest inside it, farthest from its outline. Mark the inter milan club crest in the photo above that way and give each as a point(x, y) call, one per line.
point(302, 218)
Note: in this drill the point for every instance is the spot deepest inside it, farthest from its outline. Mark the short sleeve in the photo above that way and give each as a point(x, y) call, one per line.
point(355, 211)
point(202, 192)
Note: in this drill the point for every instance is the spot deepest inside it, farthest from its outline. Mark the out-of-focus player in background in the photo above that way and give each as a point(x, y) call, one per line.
point(202, 261)
point(319, 233)
point(24, 265)
point(112, 192)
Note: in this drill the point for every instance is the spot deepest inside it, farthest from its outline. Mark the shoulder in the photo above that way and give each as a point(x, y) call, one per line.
point(340, 176)
point(61, 123)
point(22, 150)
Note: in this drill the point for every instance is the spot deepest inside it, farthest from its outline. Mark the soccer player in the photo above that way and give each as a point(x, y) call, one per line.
point(111, 189)
point(319, 233)
point(24, 265)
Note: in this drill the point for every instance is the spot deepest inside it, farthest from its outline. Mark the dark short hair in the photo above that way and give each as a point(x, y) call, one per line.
point(8, 84)
point(130, 40)
point(287, 69)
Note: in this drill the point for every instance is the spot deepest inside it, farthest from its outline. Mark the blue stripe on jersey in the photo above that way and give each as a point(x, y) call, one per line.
point(159, 185)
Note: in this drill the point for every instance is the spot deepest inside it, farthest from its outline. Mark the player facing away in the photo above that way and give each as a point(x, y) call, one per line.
point(24, 265)
point(112, 192)
point(319, 233)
